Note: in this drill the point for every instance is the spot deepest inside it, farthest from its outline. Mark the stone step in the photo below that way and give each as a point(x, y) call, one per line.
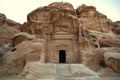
point(58, 71)
point(63, 70)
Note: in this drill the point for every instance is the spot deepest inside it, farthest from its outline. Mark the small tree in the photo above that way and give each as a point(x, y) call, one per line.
point(2, 51)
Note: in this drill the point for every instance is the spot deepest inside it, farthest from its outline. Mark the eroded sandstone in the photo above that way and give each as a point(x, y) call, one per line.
point(58, 33)
point(15, 59)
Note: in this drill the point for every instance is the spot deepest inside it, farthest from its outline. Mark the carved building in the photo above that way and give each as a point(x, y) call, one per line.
point(59, 27)
point(64, 30)
point(61, 34)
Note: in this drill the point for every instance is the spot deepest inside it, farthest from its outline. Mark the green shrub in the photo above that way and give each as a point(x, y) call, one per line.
point(2, 51)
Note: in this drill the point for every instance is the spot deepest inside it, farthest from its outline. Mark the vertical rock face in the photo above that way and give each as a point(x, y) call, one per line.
point(59, 26)
point(8, 23)
point(112, 58)
point(2, 19)
point(45, 20)
point(92, 19)
point(26, 52)
point(90, 29)
point(80, 36)
point(116, 27)
point(7, 29)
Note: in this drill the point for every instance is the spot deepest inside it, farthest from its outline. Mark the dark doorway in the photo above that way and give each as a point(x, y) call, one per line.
point(62, 56)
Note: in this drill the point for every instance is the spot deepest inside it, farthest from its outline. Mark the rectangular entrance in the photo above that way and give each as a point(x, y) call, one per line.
point(62, 56)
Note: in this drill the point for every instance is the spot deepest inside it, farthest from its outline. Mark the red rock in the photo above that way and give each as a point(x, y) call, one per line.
point(12, 24)
point(62, 5)
point(2, 19)
point(92, 19)
point(112, 59)
point(79, 34)
point(105, 39)
point(116, 27)
point(7, 29)
point(25, 52)
point(20, 37)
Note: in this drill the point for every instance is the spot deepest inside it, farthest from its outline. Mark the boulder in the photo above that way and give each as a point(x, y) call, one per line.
point(62, 5)
point(112, 60)
point(91, 58)
point(25, 52)
point(116, 27)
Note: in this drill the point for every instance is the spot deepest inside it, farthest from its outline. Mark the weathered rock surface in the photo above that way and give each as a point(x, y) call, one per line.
point(112, 58)
point(105, 39)
point(12, 24)
point(5, 34)
point(20, 37)
point(25, 52)
point(91, 58)
point(92, 19)
point(7, 29)
point(51, 17)
point(94, 29)
point(2, 19)
point(116, 27)
point(57, 71)
point(62, 5)
point(83, 35)
point(96, 41)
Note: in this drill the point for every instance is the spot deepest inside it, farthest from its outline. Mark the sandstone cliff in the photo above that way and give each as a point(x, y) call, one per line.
point(8, 28)
point(94, 37)
point(116, 27)
point(92, 19)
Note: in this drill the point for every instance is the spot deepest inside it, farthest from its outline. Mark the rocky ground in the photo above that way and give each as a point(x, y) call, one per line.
point(101, 78)
point(63, 72)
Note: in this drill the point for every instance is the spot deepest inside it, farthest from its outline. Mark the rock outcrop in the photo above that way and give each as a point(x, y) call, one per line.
point(62, 5)
point(15, 60)
point(50, 16)
point(20, 37)
point(92, 19)
point(82, 36)
point(105, 39)
point(2, 19)
point(116, 27)
point(7, 29)
point(112, 58)
point(94, 28)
